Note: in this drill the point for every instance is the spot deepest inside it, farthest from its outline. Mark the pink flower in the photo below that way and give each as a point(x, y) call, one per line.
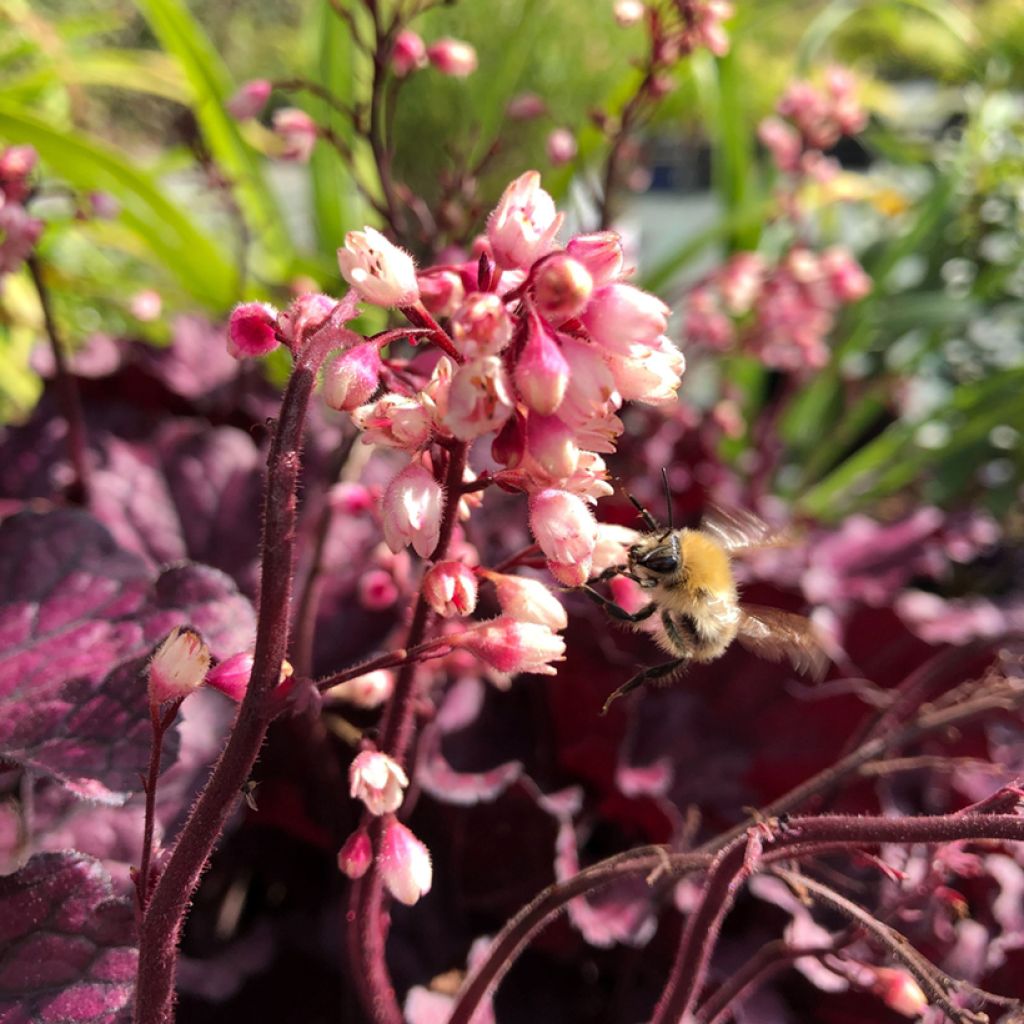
point(620, 316)
point(522, 227)
point(250, 99)
point(511, 647)
point(452, 57)
point(395, 421)
point(479, 399)
point(355, 857)
point(740, 281)
point(408, 53)
point(366, 691)
point(528, 600)
point(350, 499)
point(252, 330)
point(377, 780)
point(297, 131)
point(412, 509)
point(899, 991)
point(613, 541)
point(178, 667)
point(650, 374)
point(377, 590)
point(541, 373)
point(231, 676)
point(525, 107)
point(551, 444)
point(591, 391)
point(560, 146)
point(782, 141)
point(600, 252)
point(404, 864)
point(845, 276)
point(352, 377)
point(378, 270)
point(450, 588)
point(481, 325)
point(441, 291)
point(16, 164)
point(566, 532)
point(628, 12)
point(561, 287)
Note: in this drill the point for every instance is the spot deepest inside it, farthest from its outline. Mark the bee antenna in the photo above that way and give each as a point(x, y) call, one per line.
point(668, 496)
point(649, 521)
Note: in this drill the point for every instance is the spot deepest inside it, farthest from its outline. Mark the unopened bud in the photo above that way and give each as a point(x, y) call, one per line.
point(450, 588)
point(356, 856)
point(250, 99)
point(352, 377)
point(404, 864)
point(560, 146)
point(252, 330)
point(561, 287)
point(366, 691)
point(298, 133)
point(541, 373)
point(408, 53)
point(452, 57)
point(441, 292)
point(899, 991)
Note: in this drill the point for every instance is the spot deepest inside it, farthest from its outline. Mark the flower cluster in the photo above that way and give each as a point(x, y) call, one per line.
point(784, 313)
point(19, 230)
point(681, 26)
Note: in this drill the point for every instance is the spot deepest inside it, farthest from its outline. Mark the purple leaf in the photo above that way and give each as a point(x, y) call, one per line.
point(79, 618)
point(68, 949)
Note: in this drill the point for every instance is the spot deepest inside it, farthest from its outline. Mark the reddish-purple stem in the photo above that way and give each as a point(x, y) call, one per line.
point(161, 925)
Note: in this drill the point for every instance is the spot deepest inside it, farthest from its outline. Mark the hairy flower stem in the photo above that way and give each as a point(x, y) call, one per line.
point(161, 924)
point(67, 393)
point(367, 935)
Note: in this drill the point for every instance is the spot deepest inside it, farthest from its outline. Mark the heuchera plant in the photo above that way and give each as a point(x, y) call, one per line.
point(146, 600)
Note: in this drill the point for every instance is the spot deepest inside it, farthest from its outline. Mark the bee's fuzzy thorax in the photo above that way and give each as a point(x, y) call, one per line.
point(707, 564)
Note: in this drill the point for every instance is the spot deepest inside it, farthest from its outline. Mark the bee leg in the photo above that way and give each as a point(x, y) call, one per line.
point(615, 611)
point(654, 672)
point(611, 571)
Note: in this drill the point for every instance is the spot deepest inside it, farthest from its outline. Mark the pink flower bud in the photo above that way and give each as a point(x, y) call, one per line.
point(309, 312)
point(591, 391)
point(408, 54)
point(561, 287)
point(552, 445)
point(18, 234)
point(350, 499)
point(404, 864)
point(16, 164)
point(560, 146)
point(528, 600)
point(178, 667)
point(146, 305)
point(899, 991)
point(845, 276)
point(628, 12)
point(378, 270)
point(352, 377)
point(541, 373)
point(510, 646)
point(481, 325)
point(441, 291)
point(396, 421)
point(450, 589)
point(366, 691)
point(231, 676)
point(479, 399)
point(298, 133)
point(250, 99)
point(356, 856)
point(252, 330)
point(522, 227)
point(412, 509)
point(377, 780)
point(525, 107)
point(377, 590)
point(619, 316)
point(452, 57)
point(782, 141)
point(564, 528)
point(601, 253)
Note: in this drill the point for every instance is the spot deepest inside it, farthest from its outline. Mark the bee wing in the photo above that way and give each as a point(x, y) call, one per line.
point(774, 634)
point(738, 530)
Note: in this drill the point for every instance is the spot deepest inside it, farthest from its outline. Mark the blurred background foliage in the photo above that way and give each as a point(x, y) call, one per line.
point(920, 401)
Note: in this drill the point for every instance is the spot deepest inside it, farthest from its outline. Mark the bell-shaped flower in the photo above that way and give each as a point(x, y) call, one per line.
point(528, 600)
point(481, 325)
point(352, 377)
point(395, 421)
point(522, 227)
point(620, 316)
point(378, 780)
point(378, 270)
point(404, 864)
point(551, 444)
point(412, 508)
point(564, 527)
point(450, 588)
point(561, 287)
point(479, 399)
point(510, 647)
point(541, 373)
point(368, 691)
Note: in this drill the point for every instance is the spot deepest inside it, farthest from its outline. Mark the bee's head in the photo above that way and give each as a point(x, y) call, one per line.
point(656, 557)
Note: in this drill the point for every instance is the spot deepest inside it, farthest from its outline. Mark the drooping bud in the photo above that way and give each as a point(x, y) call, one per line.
point(298, 133)
point(252, 330)
point(899, 991)
point(479, 399)
point(412, 508)
point(352, 377)
point(250, 99)
point(452, 57)
point(561, 287)
point(522, 227)
point(481, 325)
point(231, 676)
point(528, 600)
point(600, 252)
point(450, 588)
point(552, 445)
point(378, 270)
point(178, 667)
point(356, 856)
point(511, 647)
point(541, 373)
point(366, 691)
point(408, 53)
point(560, 146)
point(377, 780)
point(620, 316)
point(404, 864)
point(564, 528)
point(441, 292)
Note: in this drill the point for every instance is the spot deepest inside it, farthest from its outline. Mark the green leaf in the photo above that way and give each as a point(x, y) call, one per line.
point(182, 37)
point(137, 70)
point(192, 256)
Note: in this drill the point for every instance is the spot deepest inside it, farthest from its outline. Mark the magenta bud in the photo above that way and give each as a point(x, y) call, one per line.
point(356, 856)
point(231, 676)
point(541, 373)
point(352, 377)
point(441, 291)
point(452, 57)
point(408, 53)
point(527, 106)
point(250, 99)
point(252, 330)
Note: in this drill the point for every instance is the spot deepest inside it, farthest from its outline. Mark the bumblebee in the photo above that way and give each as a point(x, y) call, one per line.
point(689, 576)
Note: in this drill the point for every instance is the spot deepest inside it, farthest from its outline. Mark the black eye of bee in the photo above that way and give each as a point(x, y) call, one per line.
point(660, 560)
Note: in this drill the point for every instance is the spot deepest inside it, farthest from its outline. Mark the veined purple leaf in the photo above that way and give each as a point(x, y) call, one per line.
point(67, 945)
point(79, 619)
